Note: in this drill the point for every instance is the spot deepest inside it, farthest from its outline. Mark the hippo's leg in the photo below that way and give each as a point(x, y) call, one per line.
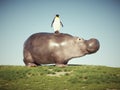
point(31, 65)
point(28, 60)
point(64, 64)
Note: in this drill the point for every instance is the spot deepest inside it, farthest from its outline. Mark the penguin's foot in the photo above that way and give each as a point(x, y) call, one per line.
point(57, 32)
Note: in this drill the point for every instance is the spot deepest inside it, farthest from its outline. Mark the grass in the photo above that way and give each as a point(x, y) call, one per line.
point(55, 78)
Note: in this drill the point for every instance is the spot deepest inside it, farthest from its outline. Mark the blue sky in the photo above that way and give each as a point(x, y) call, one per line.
point(84, 18)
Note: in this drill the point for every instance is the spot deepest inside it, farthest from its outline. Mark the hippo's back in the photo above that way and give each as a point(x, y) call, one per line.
point(43, 38)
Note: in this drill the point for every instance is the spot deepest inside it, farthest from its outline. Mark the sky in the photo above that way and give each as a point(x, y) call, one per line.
point(98, 19)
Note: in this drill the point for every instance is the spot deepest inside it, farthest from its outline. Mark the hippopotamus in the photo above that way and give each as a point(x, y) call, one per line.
point(58, 49)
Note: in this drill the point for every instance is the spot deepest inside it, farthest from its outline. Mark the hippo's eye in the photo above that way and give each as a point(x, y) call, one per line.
point(79, 39)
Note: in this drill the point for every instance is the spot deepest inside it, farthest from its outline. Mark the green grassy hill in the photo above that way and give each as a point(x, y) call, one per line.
point(55, 78)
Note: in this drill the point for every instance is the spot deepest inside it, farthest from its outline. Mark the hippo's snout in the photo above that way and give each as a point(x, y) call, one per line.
point(92, 45)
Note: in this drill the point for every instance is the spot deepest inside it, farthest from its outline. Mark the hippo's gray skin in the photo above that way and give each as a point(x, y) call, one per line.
point(49, 48)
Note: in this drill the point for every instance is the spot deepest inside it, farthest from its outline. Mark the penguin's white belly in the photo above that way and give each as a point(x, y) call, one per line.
point(56, 25)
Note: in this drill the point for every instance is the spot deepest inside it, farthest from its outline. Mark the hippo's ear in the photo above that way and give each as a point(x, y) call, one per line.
point(76, 39)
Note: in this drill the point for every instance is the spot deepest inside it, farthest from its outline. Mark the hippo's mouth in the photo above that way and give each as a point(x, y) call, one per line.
point(92, 45)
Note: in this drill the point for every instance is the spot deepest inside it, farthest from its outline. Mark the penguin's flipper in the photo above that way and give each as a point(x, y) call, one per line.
point(52, 22)
point(61, 23)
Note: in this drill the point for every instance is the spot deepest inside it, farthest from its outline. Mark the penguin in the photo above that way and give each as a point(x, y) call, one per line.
point(56, 24)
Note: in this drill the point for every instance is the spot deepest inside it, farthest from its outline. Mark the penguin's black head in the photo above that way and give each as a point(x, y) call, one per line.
point(57, 15)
